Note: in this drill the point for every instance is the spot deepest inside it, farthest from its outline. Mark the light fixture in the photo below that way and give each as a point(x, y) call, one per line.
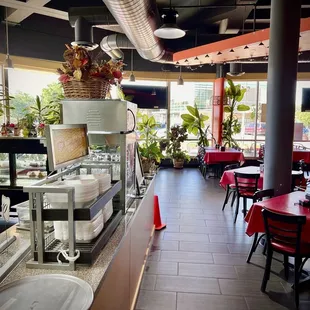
point(196, 58)
point(170, 29)
point(132, 77)
point(231, 51)
point(261, 44)
point(8, 64)
point(177, 63)
point(219, 53)
point(207, 56)
point(153, 92)
point(246, 47)
point(186, 60)
point(180, 81)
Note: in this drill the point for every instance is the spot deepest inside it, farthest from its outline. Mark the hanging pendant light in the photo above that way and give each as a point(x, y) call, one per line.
point(170, 29)
point(8, 64)
point(180, 81)
point(132, 77)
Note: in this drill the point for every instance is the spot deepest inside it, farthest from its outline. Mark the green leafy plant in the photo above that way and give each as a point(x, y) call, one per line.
point(194, 122)
point(177, 135)
point(27, 121)
point(231, 124)
point(4, 100)
point(149, 149)
point(38, 110)
point(53, 114)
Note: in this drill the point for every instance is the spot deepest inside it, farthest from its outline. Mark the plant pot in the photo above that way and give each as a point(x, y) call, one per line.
point(178, 163)
point(16, 132)
point(146, 165)
point(25, 132)
point(41, 132)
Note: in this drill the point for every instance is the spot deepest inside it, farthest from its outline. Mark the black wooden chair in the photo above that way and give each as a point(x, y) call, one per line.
point(246, 187)
point(230, 188)
point(259, 196)
point(283, 233)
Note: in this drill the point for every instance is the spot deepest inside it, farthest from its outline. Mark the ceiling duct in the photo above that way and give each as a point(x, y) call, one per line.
point(113, 44)
point(139, 19)
point(235, 69)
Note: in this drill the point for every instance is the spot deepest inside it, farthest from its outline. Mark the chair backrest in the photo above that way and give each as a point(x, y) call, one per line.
point(285, 230)
point(246, 181)
point(266, 193)
point(232, 166)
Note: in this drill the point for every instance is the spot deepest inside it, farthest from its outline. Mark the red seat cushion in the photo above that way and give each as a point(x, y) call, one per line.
point(290, 249)
point(247, 193)
point(232, 186)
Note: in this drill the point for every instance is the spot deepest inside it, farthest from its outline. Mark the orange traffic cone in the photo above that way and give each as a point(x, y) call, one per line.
point(157, 220)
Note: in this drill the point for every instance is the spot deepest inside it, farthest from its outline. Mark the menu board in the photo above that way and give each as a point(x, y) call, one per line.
point(66, 144)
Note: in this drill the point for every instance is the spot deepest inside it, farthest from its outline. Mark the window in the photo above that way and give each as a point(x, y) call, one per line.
point(25, 85)
point(199, 93)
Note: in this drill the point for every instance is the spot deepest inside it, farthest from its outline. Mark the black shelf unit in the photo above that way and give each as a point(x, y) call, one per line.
point(13, 146)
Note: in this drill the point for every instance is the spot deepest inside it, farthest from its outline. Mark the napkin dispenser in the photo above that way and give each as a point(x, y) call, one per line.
point(305, 202)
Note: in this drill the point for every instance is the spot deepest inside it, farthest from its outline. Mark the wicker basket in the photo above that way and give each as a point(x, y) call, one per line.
point(90, 89)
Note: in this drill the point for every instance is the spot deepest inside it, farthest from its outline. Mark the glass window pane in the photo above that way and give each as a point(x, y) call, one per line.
point(189, 94)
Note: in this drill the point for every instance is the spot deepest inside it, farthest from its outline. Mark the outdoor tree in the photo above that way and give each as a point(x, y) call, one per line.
point(303, 117)
point(20, 102)
point(51, 93)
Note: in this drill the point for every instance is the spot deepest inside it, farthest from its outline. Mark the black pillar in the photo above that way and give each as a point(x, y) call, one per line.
point(281, 92)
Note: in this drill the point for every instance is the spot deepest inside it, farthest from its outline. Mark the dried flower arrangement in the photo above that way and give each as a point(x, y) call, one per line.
point(80, 68)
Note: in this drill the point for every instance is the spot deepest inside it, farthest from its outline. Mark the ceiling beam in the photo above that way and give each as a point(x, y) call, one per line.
point(30, 7)
point(15, 16)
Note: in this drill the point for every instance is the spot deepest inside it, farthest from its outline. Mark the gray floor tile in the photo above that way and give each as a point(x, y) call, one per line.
point(208, 271)
point(154, 255)
point(230, 239)
point(188, 301)
point(203, 247)
point(152, 300)
point(201, 223)
point(218, 223)
point(255, 272)
point(235, 248)
point(247, 287)
point(201, 229)
point(237, 259)
point(198, 216)
point(187, 284)
point(265, 303)
point(186, 237)
point(166, 268)
point(165, 245)
point(172, 228)
point(191, 211)
point(190, 257)
point(148, 282)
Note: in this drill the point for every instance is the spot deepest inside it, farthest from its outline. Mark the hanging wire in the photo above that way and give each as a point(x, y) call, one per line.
point(7, 31)
point(131, 61)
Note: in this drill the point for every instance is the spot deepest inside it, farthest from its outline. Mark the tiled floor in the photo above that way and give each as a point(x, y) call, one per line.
point(199, 261)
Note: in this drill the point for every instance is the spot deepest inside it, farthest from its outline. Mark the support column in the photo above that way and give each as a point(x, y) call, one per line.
point(281, 92)
point(218, 103)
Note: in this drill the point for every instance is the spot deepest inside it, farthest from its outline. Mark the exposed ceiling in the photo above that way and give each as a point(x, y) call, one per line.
point(205, 21)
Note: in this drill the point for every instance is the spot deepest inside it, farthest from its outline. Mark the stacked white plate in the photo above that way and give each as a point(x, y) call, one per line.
point(104, 180)
point(108, 211)
point(86, 191)
point(85, 231)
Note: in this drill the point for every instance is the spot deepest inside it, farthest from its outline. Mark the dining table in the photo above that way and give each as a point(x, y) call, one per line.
point(301, 155)
point(228, 176)
point(216, 156)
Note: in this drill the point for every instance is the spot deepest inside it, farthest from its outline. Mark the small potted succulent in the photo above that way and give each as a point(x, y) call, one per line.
point(17, 129)
point(176, 136)
point(27, 124)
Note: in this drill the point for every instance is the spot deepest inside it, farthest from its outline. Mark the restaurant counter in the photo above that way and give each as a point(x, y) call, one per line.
point(116, 275)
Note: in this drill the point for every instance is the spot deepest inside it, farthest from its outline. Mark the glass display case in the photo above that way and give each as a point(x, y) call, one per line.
point(23, 161)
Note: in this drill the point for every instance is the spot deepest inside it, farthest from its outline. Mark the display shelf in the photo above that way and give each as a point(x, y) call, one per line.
point(85, 214)
point(88, 251)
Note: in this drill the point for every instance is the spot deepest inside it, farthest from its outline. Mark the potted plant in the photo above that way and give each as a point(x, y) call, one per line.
point(81, 77)
point(17, 129)
point(27, 124)
point(231, 124)
point(176, 136)
point(194, 122)
point(149, 149)
point(53, 114)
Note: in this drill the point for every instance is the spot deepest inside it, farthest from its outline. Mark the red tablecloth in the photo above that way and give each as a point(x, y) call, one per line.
point(301, 154)
point(229, 178)
point(285, 204)
point(214, 156)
